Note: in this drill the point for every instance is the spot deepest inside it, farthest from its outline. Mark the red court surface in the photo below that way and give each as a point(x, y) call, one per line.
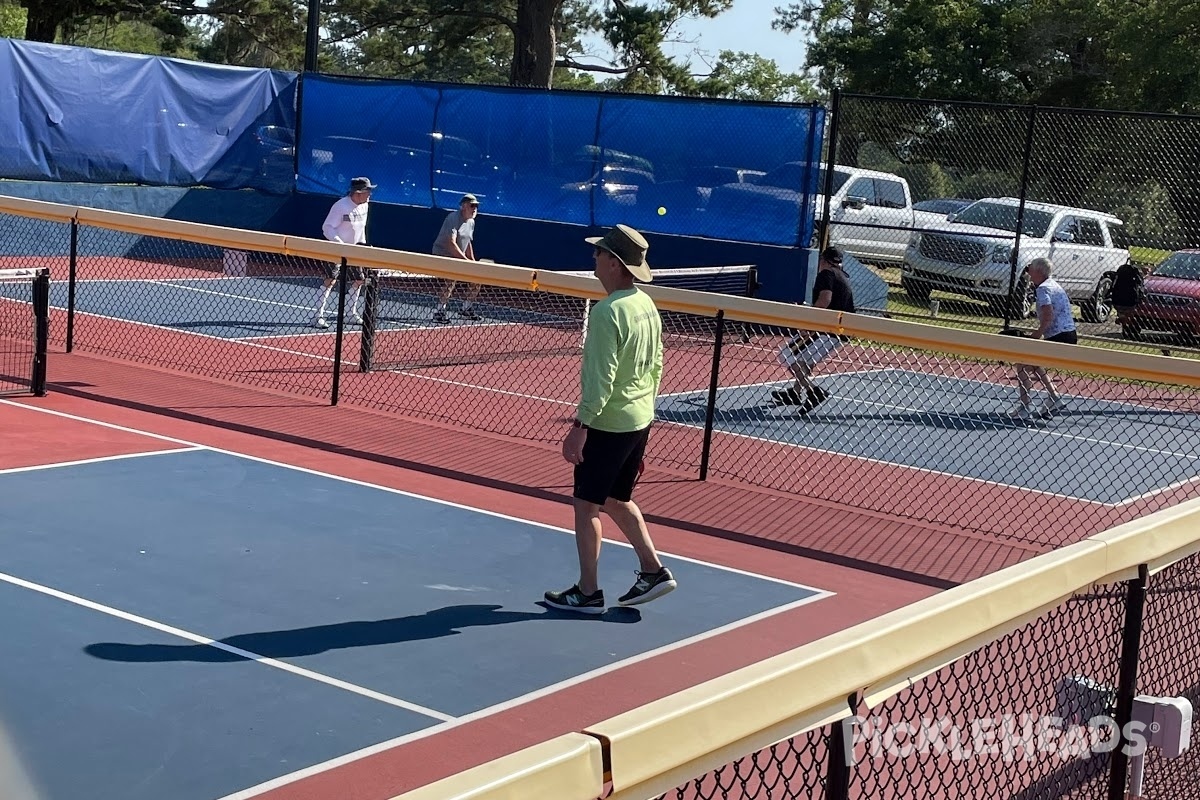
point(225, 417)
point(32, 439)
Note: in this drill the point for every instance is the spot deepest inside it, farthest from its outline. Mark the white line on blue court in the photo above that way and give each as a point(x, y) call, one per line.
point(898, 465)
point(1016, 426)
point(246, 342)
point(448, 721)
point(927, 470)
point(474, 716)
point(219, 645)
point(172, 283)
point(99, 459)
point(778, 382)
point(194, 446)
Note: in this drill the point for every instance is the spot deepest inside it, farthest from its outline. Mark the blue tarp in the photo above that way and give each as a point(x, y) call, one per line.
point(76, 114)
point(718, 169)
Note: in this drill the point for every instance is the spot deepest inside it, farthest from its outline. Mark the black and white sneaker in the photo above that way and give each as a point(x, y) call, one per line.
point(574, 599)
point(789, 397)
point(649, 586)
point(469, 313)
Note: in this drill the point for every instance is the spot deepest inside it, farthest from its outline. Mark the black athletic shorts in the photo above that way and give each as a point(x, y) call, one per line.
point(1066, 337)
point(353, 273)
point(611, 464)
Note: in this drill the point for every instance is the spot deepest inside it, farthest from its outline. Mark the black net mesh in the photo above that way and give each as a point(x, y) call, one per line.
point(225, 313)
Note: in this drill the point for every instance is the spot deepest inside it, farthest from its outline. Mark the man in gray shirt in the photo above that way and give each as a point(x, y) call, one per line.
point(454, 240)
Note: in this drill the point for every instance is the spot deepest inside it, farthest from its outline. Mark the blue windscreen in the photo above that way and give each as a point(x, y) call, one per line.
point(718, 169)
point(76, 114)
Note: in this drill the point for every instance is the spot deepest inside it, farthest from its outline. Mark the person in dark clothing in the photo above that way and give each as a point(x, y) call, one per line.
point(1126, 290)
point(806, 349)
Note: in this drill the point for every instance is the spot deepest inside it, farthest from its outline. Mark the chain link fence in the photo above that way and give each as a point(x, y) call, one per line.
point(1042, 713)
point(932, 194)
point(914, 432)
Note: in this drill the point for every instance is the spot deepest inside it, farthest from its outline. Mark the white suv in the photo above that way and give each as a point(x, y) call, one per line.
point(971, 254)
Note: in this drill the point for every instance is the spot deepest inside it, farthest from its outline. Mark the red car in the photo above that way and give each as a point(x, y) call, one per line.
point(1171, 301)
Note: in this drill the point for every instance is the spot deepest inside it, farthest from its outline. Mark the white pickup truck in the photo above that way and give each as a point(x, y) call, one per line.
point(971, 254)
point(872, 217)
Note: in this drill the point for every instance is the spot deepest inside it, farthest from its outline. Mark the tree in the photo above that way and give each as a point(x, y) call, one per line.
point(749, 76)
point(44, 18)
point(542, 38)
point(1125, 54)
point(258, 33)
point(12, 20)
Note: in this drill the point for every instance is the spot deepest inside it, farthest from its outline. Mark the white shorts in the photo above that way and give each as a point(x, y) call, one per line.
point(808, 348)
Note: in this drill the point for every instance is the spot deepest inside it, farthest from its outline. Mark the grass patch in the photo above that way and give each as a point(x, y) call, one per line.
point(1147, 255)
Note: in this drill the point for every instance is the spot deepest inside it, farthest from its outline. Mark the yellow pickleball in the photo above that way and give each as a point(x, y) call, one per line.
point(662, 210)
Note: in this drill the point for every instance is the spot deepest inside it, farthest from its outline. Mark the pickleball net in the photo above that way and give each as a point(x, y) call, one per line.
point(24, 329)
point(402, 328)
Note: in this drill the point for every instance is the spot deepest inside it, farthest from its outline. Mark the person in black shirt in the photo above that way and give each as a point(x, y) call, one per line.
point(806, 349)
point(1126, 290)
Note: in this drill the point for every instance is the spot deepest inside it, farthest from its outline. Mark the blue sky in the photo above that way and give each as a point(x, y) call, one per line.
point(745, 27)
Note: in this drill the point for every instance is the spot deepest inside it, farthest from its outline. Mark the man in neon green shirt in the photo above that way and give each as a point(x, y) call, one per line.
point(622, 369)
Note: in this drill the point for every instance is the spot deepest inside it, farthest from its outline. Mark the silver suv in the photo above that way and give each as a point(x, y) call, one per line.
point(971, 255)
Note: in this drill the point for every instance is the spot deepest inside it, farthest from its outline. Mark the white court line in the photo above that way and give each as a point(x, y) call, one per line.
point(1047, 431)
point(814, 595)
point(898, 465)
point(1000, 425)
point(474, 716)
point(772, 383)
point(1014, 426)
point(210, 336)
point(493, 389)
point(219, 645)
point(248, 340)
point(197, 289)
point(97, 460)
point(1168, 488)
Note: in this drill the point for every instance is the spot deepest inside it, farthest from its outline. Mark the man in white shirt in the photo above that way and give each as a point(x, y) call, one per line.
point(1055, 324)
point(346, 222)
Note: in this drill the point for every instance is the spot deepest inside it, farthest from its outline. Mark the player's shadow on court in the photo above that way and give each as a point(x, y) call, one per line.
point(448, 621)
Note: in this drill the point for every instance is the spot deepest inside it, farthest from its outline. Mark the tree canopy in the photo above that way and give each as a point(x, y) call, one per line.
point(538, 43)
point(1137, 55)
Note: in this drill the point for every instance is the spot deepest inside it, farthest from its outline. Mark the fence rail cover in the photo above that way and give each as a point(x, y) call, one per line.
point(1136, 366)
point(567, 768)
point(753, 707)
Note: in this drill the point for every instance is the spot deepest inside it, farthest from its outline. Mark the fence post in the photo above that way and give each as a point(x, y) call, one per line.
point(341, 330)
point(711, 407)
point(1131, 640)
point(366, 349)
point(41, 345)
point(1016, 251)
point(71, 277)
point(837, 777)
point(312, 40)
point(841, 753)
point(835, 114)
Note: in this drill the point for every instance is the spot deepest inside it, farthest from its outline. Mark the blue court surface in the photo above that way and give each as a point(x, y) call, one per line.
point(960, 427)
point(188, 624)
